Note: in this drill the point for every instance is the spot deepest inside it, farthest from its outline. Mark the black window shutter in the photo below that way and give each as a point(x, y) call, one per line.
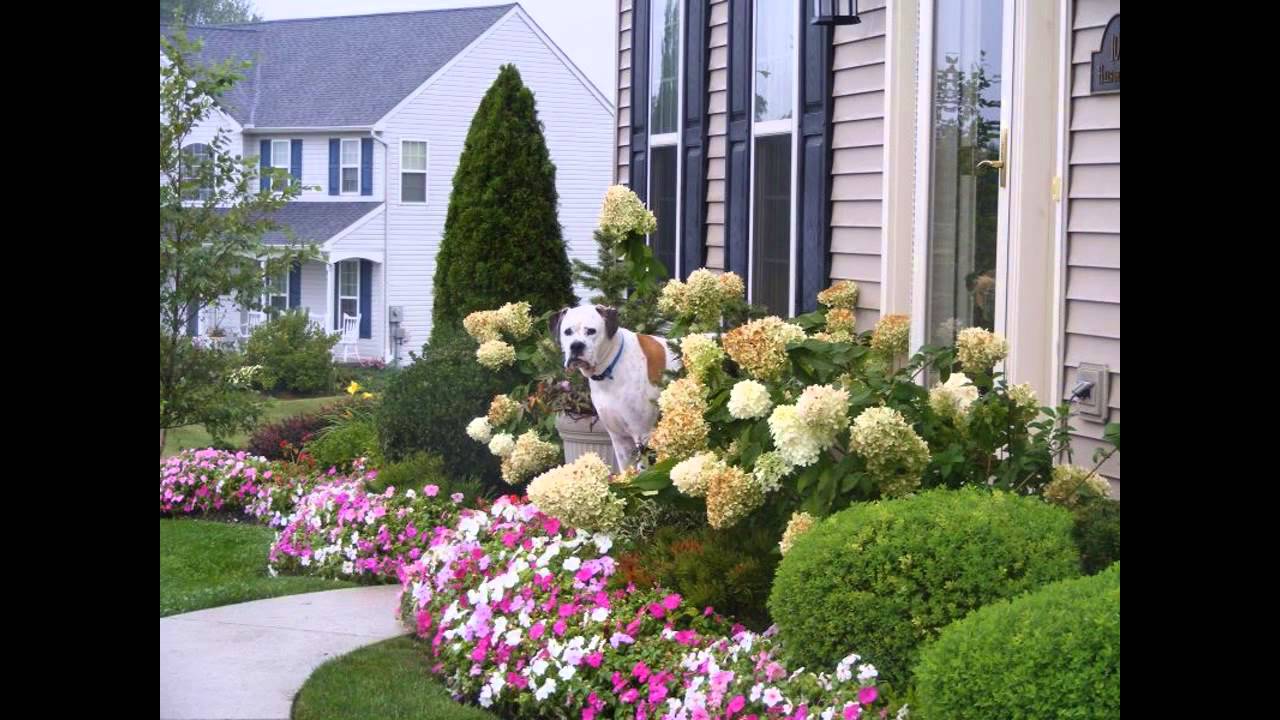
point(366, 167)
point(264, 162)
point(366, 298)
point(295, 285)
point(295, 160)
point(814, 171)
point(694, 190)
point(639, 170)
point(335, 152)
point(737, 199)
point(193, 320)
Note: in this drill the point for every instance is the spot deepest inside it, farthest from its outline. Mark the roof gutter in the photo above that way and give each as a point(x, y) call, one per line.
point(311, 128)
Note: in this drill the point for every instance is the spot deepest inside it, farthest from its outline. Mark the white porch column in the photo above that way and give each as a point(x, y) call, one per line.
point(328, 296)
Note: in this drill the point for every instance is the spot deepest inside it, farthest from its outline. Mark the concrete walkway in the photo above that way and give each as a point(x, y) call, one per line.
point(247, 661)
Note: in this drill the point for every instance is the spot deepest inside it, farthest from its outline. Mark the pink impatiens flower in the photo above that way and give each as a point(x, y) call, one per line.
point(431, 490)
point(867, 695)
point(671, 602)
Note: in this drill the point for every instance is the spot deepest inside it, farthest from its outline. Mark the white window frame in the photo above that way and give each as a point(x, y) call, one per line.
point(188, 158)
point(355, 298)
point(775, 127)
point(276, 158)
point(343, 166)
point(269, 290)
point(426, 163)
point(669, 139)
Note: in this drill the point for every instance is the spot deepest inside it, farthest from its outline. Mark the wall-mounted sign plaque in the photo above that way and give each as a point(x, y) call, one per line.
point(1104, 75)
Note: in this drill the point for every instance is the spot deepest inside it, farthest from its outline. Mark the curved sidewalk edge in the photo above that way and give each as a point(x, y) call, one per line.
point(247, 661)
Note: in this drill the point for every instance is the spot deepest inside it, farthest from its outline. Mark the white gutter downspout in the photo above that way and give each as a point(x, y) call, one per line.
point(386, 222)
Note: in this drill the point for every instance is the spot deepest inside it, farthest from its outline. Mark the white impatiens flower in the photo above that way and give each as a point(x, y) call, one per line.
point(480, 430)
point(749, 399)
point(502, 444)
point(689, 475)
point(545, 691)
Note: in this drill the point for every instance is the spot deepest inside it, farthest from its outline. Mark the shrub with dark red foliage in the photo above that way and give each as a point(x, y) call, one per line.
point(282, 440)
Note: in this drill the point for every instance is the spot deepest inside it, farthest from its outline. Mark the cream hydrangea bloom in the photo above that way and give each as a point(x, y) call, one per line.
point(843, 294)
point(502, 444)
point(760, 346)
point(979, 349)
point(892, 335)
point(799, 524)
point(483, 325)
point(1024, 396)
point(495, 354)
point(516, 319)
point(690, 475)
point(578, 494)
point(623, 213)
point(770, 469)
point(700, 354)
point(749, 400)
point(479, 430)
point(731, 495)
point(841, 321)
point(895, 455)
point(681, 429)
point(825, 409)
point(502, 410)
point(793, 438)
point(731, 286)
point(673, 298)
point(531, 454)
point(1072, 484)
point(952, 398)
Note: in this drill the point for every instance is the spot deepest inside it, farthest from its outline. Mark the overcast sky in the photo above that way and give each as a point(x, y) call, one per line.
point(584, 29)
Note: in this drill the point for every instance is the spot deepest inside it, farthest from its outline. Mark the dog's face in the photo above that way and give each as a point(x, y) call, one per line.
point(582, 332)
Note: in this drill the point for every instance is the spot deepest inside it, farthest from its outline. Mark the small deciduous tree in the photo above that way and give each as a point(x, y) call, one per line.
point(213, 215)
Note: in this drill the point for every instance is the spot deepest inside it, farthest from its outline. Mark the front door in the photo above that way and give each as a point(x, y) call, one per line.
point(966, 120)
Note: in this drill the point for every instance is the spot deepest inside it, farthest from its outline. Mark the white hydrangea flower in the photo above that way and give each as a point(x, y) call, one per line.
point(502, 444)
point(689, 475)
point(480, 430)
point(749, 399)
point(797, 444)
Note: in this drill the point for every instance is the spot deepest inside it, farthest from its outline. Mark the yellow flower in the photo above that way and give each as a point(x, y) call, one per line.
point(353, 388)
point(366, 395)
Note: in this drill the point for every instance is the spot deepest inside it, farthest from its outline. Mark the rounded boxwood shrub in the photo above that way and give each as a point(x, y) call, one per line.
point(295, 355)
point(1053, 653)
point(886, 576)
point(1097, 534)
point(427, 405)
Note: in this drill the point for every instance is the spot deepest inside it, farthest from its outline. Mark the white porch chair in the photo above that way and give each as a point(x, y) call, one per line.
point(350, 340)
point(319, 320)
point(253, 318)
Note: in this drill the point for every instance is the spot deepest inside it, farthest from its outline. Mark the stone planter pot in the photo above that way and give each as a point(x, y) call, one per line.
point(583, 435)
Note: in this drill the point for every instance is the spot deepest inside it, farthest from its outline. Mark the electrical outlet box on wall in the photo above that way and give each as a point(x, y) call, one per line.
point(1093, 406)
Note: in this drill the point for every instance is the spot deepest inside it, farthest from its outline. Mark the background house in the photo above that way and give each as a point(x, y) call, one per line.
point(373, 111)
point(798, 154)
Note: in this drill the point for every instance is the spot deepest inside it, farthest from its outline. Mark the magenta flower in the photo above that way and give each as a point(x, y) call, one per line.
point(640, 671)
point(630, 696)
point(671, 602)
point(868, 695)
point(735, 705)
point(431, 490)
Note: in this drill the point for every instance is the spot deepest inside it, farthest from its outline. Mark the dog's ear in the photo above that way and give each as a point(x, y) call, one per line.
point(610, 316)
point(555, 324)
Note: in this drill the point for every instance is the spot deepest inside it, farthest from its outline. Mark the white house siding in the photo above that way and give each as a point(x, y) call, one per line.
point(857, 158)
point(1092, 289)
point(578, 126)
point(315, 163)
point(365, 237)
point(314, 289)
point(718, 102)
point(621, 174)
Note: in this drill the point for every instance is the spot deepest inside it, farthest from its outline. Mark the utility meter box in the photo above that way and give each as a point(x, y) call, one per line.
point(395, 313)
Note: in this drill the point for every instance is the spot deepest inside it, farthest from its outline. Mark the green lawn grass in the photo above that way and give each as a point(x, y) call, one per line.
point(387, 681)
point(195, 436)
point(205, 564)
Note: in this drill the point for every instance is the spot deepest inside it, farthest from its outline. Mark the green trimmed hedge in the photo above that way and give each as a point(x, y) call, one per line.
point(1054, 653)
point(887, 576)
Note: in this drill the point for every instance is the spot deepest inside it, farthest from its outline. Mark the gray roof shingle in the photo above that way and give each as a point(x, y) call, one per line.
point(316, 221)
point(338, 71)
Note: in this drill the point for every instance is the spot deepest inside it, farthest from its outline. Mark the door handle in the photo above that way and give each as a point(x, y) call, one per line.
point(1001, 164)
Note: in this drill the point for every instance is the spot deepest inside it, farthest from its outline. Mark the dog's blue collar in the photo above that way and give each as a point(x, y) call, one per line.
point(608, 372)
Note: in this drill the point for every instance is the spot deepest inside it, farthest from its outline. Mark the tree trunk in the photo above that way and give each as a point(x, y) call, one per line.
point(161, 442)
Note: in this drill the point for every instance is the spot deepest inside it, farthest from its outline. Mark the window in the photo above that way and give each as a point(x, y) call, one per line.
point(772, 239)
point(413, 171)
point(664, 131)
point(277, 292)
point(197, 170)
point(350, 167)
point(348, 289)
point(280, 159)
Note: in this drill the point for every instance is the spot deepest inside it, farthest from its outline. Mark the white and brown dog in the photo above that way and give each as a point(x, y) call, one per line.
point(624, 370)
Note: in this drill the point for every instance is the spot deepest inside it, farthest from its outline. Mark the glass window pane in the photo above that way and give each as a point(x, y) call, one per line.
point(415, 156)
point(964, 200)
point(413, 187)
point(279, 302)
point(771, 230)
point(775, 58)
point(662, 199)
point(349, 306)
point(350, 180)
point(350, 152)
point(280, 153)
point(349, 278)
point(664, 62)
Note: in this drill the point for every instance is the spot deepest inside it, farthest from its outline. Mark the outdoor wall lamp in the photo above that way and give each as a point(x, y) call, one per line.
point(835, 12)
